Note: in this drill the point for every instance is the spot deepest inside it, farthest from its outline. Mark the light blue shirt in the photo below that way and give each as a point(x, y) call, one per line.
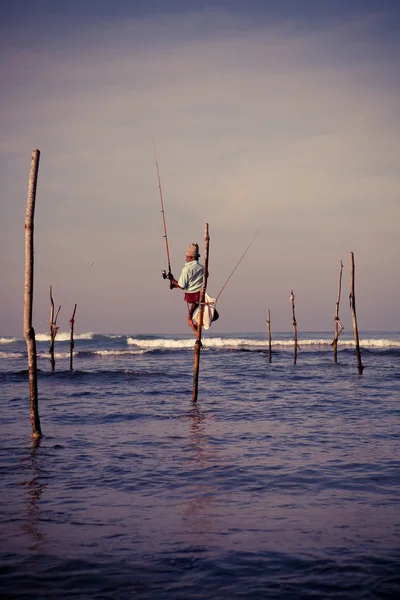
point(191, 278)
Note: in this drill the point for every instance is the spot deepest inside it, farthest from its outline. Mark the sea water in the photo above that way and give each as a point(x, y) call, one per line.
point(282, 481)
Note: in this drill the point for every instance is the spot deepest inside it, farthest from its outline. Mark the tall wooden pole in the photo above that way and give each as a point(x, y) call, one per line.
point(197, 345)
point(71, 340)
point(352, 298)
point(269, 336)
point(294, 323)
point(53, 329)
point(338, 326)
point(29, 332)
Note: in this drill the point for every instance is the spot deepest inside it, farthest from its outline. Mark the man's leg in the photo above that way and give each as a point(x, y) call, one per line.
point(191, 308)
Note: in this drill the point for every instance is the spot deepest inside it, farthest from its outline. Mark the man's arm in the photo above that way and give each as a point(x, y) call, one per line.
point(173, 281)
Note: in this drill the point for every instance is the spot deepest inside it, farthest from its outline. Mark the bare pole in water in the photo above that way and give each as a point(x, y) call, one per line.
point(294, 323)
point(352, 298)
point(29, 332)
point(338, 326)
point(269, 336)
point(71, 339)
point(53, 329)
point(197, 345)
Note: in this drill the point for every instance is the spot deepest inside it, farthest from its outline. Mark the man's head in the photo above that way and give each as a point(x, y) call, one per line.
point(192, 253)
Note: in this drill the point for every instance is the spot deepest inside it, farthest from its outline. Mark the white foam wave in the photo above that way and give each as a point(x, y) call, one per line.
point(261, 344)
point(63, 336)
point(381, 343)
point(7, 340)
point(57, 355)
point(218, 342)
point(237, 343)
point(233, 343)
point(119, 352)
point(160, 343)
point(11, 355)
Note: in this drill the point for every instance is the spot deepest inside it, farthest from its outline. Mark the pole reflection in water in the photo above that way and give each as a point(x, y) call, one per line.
point(197, 511)
point(34, 489)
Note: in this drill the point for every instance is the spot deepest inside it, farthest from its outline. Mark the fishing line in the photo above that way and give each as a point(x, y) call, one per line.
point(241, 258)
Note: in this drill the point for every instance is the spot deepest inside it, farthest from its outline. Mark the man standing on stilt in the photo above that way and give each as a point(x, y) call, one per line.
point(190, 280)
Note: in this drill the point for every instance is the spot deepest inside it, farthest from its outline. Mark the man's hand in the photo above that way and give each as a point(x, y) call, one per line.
point(172, 281)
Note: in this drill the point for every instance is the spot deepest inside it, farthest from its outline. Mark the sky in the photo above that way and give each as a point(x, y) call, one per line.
point(276, 117)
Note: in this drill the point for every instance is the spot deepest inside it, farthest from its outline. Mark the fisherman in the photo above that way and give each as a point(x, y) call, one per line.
point(190, 280)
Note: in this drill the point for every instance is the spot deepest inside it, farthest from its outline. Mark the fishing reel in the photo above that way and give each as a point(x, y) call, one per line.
point(169, 276)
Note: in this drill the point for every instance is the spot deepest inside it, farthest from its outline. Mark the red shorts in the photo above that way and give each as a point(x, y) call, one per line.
point(193, 298)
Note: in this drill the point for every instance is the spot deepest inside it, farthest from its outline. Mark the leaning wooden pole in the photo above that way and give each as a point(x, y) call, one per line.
point(269, 336)
point(53, 329)
point(352, 298)
point(294, 323)
point(71, 338)
point(29, 332)
point(338, 326)
point(197, 345)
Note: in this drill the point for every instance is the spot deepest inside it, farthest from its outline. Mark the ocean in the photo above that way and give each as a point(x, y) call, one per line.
point(281, 482)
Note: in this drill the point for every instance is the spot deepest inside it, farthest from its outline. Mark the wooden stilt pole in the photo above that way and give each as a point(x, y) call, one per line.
point(197, 345)
point(269, 336)
point(71, 339)
point(53, 330)
point(352, 298)
point(29, 332)
point(338, 326)
point(294, 327)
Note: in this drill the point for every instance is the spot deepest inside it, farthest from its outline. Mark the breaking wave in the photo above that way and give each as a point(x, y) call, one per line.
point(64, 336)
point(244, 342)
point(8, 340)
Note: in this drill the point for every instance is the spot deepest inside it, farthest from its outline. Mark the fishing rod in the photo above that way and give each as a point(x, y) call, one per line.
point(165, 275)
point(238, 263)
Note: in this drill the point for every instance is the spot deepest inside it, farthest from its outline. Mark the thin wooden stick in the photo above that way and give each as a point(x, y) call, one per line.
point(338, 326)
point(294, 327)
point(72, 343)
point(197, 345)
point(29, 332)
point(53, 329)
point(352, 298)
point(269, 336)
